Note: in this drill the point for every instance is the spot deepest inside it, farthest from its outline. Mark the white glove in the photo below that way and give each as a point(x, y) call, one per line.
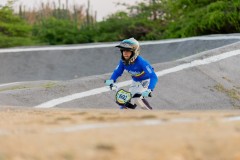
point(109, 83)
point(147, 93)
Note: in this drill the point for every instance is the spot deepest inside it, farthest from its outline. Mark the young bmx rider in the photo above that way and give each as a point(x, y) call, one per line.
point(143, 75)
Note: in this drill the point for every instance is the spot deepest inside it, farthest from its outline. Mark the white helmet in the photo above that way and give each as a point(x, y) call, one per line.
point(132, 45)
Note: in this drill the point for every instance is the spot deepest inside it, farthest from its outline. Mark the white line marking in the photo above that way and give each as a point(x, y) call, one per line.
point(9, 84)
point(55, 102)
point(200, 62)
point(56, 48)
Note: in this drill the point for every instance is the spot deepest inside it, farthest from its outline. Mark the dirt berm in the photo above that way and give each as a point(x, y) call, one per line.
point(79, 134)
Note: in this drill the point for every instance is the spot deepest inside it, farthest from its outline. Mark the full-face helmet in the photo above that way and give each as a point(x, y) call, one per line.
point(132, 45)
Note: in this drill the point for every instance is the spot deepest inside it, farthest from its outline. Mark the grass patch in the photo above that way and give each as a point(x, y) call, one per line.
point(19, 87)
point(232, 93)
point(14, 88)
point(49, 85)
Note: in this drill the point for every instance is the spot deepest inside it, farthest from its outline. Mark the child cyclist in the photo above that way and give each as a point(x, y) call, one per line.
point(143, 75)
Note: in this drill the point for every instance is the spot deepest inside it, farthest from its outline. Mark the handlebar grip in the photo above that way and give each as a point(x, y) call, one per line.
point(150, 94)
point(137, 95)
point(111, 86)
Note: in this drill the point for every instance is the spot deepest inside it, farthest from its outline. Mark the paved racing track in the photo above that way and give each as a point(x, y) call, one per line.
point(194, 73)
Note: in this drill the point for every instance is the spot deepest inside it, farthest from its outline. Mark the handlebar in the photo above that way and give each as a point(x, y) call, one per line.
point(115, 88)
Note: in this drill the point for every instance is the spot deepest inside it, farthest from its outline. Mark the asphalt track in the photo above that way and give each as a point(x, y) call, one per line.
point(76, 61)
point(195, 73)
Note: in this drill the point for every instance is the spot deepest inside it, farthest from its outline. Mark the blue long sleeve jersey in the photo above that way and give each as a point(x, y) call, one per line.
point(140, 70)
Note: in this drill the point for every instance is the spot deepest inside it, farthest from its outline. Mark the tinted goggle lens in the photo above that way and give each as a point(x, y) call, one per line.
point(125, 49)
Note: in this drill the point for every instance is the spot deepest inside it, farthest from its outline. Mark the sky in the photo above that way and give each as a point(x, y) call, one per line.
point(102, 7)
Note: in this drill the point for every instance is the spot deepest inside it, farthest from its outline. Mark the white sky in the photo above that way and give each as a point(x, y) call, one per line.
point(103, 7)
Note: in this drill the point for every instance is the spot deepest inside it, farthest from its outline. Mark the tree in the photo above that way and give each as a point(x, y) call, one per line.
point(194, 17)
point(14, 31)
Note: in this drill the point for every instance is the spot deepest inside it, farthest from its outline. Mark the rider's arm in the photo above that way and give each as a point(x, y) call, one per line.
point(149, 71)
point(153, 81)
point(118, 71)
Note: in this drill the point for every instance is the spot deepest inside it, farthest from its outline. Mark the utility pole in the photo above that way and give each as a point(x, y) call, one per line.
point(88, 12)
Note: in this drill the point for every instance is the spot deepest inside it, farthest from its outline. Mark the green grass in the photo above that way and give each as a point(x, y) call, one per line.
point(19, 87)
point(14, 88)
point(231, 93)
point(49, 85)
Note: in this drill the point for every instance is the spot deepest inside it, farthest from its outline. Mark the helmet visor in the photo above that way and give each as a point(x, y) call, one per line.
point(125, 46)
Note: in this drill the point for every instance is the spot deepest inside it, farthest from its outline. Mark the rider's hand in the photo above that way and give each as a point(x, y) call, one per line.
point(147, 93)
point(109, 83)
